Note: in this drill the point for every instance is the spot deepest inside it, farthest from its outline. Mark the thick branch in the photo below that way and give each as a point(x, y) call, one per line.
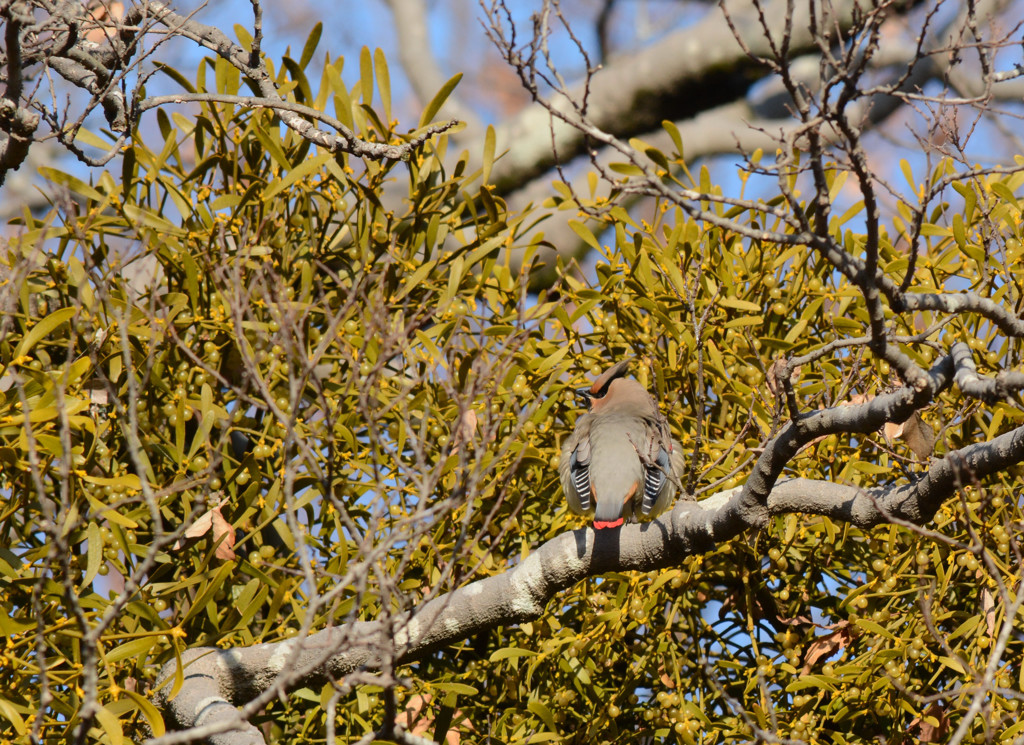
point(967, 302)
point(18, 126)
point(420, 63)
point(346, 141)
point(987, 389)
point(897, 406)
point(216, 681)
point(690, 70)
point(916, 502)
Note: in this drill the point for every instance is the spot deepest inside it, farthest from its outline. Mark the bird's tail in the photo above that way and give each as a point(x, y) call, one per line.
point(609, 514)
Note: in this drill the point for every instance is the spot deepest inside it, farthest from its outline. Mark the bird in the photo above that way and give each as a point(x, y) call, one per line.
point(620, 461)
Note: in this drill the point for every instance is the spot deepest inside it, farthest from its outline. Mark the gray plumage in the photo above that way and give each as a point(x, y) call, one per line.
point(620, 461)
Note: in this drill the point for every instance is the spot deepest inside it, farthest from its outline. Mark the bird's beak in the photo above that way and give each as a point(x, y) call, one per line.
point(585, 394)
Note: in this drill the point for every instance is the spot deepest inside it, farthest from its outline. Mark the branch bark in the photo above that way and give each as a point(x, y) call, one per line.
point(691, 70)
point(421, 67)
point(215, 682)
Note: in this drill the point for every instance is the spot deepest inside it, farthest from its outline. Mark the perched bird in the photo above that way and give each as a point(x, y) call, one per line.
point(621, 460)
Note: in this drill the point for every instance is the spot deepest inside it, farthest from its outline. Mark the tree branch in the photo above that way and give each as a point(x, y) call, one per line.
point(216, 681)
point(420, 63)
point(635, 92)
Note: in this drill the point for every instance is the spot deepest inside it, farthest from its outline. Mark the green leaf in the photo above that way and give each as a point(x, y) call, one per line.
point(75, 185)
point(460, 688)
point(43, 328)
point(657, 156)
point(511, 652)
point(966, 627)
point(312, 41)
point(128, 480)
point(959, 233)
point(199, 439)
point(438, 101)
point(342, 99)
point(380, 66)
point(489, 146)
point(150, 219)
point(953, 664)
point(542, 711)
point(852, 212)
point(227, 77)
point(874, 628)
point(150, 712)
point(89, 138)
point(908, 174)
point(11, 715)
point(270, 138)
point(371, 113)
point(812, 681)
point(134, 649)
point(301, 89)
point(627, 169)
point(176, 76)
point(677, 139)
point(111, 725)
point(243, 36)
point(1003, 192)
point(301, 171)
point(210, 590)
point(585, 234)
point(744, 321)
point(548, 361)
point(734, 302)
point(797, 331)
point(366, 75)
point(94, 556)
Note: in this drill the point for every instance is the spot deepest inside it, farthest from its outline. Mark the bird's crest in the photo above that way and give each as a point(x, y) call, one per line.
point(600, 386)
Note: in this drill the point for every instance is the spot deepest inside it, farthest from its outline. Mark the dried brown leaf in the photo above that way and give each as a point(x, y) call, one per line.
point(204, 522)
point(931, 726)
point(417, 721)
point(773, 375)
point(892, 431)
point(826, 646)
point(105, 15)
point(988, 607)
point(920, 436)
point(858, 398)
point(223, 535)
point(916, 432)
point(98, 396)
point(777, 371)
point(213, 520)
point(464, 430)
point(200, 527)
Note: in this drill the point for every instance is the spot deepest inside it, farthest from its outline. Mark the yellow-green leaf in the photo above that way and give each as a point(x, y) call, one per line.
point(44, 327)
point(438, 100)
point(111, 725)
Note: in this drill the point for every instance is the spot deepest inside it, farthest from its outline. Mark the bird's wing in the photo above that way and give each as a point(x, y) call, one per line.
point(574, 467)
point(663, 466)
point(655, 476)
point(678, 469)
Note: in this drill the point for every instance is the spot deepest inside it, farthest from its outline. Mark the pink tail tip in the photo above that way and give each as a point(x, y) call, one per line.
point(603, 524)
